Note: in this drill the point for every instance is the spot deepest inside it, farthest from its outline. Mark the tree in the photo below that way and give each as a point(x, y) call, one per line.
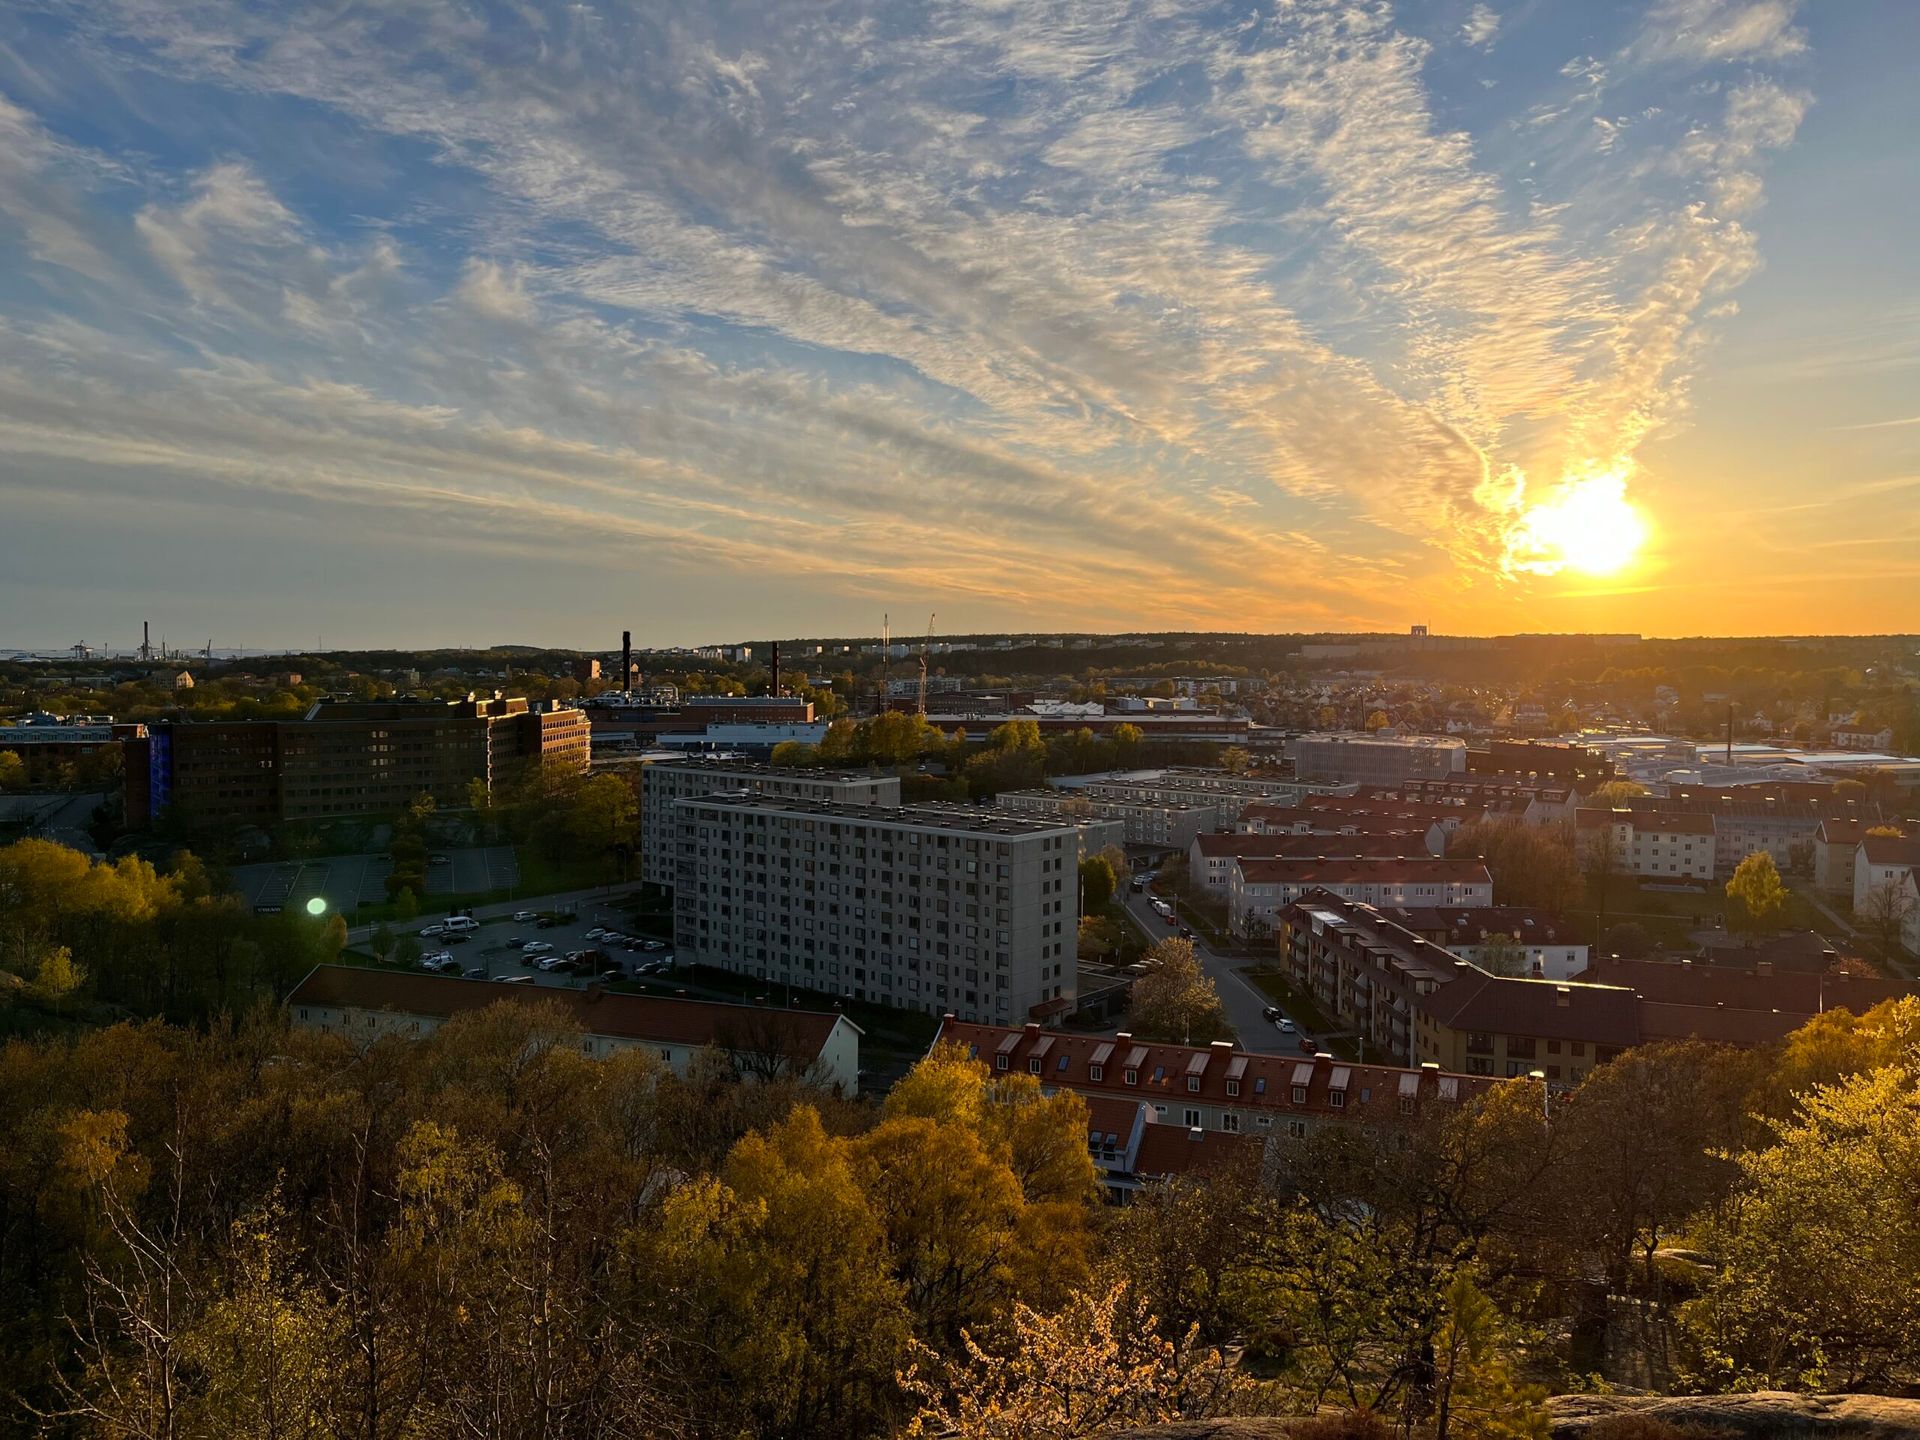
point(1176, 1000)
point(333, 938)
point(406, 950)
point(1614, 794)
point(1501, 954)
point(1477, 1396)
point(405, 906)
point(1378, 720)
point(1760, 895)
point(381, 941)
point(1885, 912)
point(1096, 1366)
point(1236, 759)
point(794, 753)
point(1602, 859)
point(58, 977)
point(1097, 883)
point(13, 770)
point(1818, 1285)
point(1530, 864)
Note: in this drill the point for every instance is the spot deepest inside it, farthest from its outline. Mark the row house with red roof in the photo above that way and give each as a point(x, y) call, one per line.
point(1213, 1092)
point(1211, 858)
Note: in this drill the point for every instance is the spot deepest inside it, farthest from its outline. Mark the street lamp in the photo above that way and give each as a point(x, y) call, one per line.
point(1546, 1110)
point(317, 905)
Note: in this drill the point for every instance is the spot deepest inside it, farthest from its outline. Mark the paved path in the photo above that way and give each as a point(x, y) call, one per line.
point(1244, 1001)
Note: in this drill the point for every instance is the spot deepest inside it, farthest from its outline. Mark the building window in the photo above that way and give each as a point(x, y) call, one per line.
point(999, 1062)
point(1406, 1105)
point(1033, 1067)
point(1193, 1084)
point(1132, 1077)
point(1296, 1129)
point(1230, 1122)
point(1096, 1072)
point(1233, 1087)
point(1337, 1099)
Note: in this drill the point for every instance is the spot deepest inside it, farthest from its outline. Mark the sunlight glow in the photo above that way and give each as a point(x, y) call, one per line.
point(1587, 525)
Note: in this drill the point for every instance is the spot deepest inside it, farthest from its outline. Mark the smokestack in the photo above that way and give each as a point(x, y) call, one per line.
point(626, 658)
point(1729, 732)
point(773, 684)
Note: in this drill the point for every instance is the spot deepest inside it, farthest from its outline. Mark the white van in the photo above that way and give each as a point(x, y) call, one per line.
point(461, 924)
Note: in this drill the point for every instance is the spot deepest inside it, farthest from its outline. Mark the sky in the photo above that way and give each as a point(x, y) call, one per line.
point(429, 323)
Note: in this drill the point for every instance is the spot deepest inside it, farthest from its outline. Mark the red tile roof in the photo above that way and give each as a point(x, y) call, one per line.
point(1795, 992)
point(1249, 846)
point(1174, 1150)
point(1651, 821)
point(1545, 1009)
point(1890, 850)
point(1411, 870)
point(635, 1017)
point(1371, 1093)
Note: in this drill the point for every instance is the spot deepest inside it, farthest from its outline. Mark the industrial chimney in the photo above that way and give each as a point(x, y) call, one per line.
point(626, 659)
point(773, 682)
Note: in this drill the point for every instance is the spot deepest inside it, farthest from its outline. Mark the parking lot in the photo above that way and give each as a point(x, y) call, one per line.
point(488, 949)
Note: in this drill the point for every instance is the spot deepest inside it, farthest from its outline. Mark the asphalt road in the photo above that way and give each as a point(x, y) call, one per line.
point(1244, 1001)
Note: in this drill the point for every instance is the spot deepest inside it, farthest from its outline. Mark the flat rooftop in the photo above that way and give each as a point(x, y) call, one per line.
point(761, 769)
point(967, 819)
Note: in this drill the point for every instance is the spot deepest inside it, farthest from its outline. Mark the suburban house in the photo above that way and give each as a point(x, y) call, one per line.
point(1490, 1025)
point(365, 1005)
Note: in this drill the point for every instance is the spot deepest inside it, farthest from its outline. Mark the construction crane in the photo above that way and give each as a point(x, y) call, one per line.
point(921, 706)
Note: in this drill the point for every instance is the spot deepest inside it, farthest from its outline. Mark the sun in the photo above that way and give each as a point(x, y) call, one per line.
point(1587, 525)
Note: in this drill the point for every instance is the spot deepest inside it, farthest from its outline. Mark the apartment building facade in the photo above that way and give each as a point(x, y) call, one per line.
point(1211, 858)
point(1224, 793)
point(1650, 844)
point(932, 908)
point(1375, 760)
point(664, 783)
point(1143, 823)
point(351, 758)
point(1260, 889)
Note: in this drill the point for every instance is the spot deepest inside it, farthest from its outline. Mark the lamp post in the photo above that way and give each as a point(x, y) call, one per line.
point(1546, 1110)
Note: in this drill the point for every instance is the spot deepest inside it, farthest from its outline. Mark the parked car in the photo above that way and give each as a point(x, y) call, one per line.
point(478, 972)
point(538, 947)
point(653, 944)
point(1138, 886)
point(1308, 1045)
point(517, 942)
point(514, 979)
point(546, 922)
point(599, 932)
point(1270, 1012)
point(440, 860)
point(1286, 1025)
point(550, 962)
point(524, 917)
point(1186, 932)
point(433, 931)
point(455, 937)
point(613, 972)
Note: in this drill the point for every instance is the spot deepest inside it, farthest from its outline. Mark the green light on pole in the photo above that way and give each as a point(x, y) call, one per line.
point(316, 906)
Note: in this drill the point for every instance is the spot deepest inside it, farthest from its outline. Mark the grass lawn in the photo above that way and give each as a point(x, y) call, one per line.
point(1668, 915)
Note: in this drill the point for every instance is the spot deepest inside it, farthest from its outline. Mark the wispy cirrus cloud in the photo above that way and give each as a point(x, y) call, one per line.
point(1115, 301)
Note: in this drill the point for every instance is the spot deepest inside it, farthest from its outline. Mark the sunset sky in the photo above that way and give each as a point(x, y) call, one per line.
point(435, 323)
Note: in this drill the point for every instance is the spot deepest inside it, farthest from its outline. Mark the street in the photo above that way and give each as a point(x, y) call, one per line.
point(1243, 1000)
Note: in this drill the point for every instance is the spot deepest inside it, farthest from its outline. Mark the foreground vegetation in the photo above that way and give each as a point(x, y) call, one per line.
point(246, 1230)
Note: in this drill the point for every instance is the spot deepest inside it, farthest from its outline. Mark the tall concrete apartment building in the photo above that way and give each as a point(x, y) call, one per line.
point(1165, 827)
point(666, 782)
point(937, 908)
point(347, 758)
point(1376, 760)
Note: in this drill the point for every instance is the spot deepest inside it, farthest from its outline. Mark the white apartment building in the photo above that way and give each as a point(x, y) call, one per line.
point(1887, 862)
point(1169, 827)
point(938, 908)
point(1650, 843)
point(1374, 760)
point(1259, 889)
point(663, 783)
point(1225, 794)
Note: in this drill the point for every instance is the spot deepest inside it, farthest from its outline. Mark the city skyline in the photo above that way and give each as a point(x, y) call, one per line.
point(458, 327)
